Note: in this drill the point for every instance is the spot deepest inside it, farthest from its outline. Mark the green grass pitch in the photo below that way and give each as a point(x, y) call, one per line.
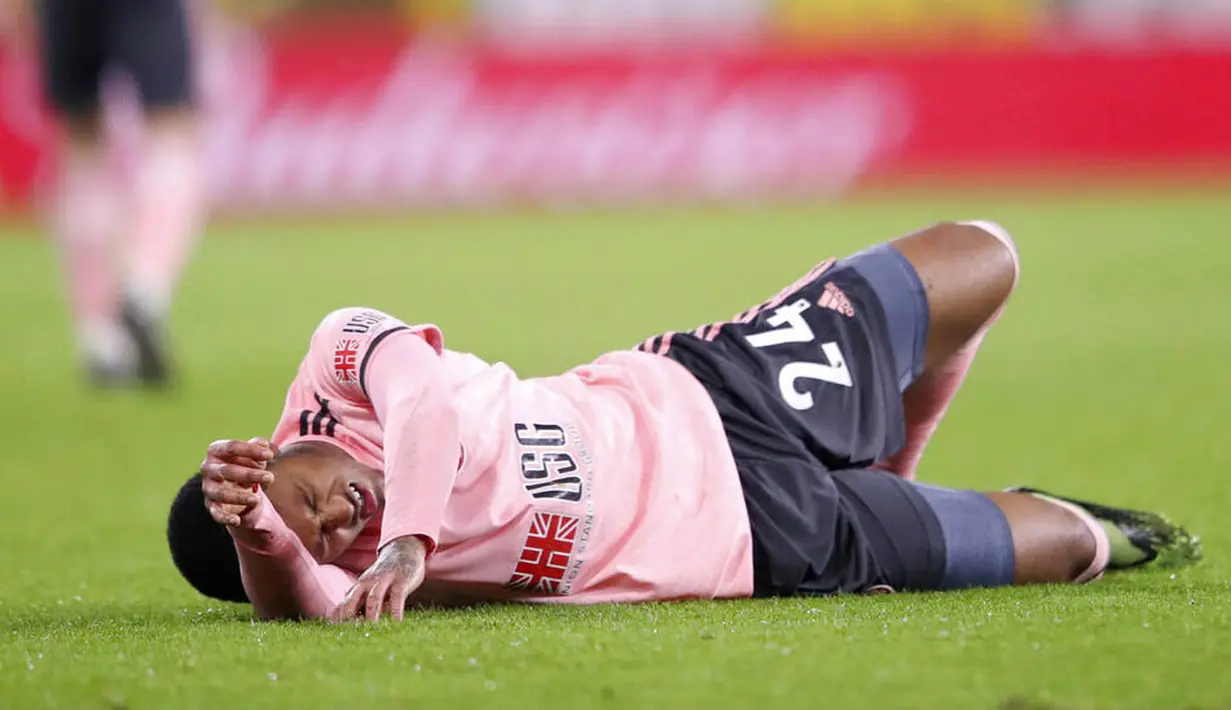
point(1108, 377)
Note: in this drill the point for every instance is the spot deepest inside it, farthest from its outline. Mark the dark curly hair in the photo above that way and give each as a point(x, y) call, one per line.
point(203, 550)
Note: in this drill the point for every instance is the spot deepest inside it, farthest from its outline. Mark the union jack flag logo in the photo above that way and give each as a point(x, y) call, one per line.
point(546, 555)
point(345, 369)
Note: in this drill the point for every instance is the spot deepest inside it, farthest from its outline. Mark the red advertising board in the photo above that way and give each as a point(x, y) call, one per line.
point(349, 120)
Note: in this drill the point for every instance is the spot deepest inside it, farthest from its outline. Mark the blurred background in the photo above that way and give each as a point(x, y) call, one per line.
point(352, 104)
point(441, 158)
point(450, 155)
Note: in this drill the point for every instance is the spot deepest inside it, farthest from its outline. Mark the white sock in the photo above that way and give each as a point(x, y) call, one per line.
point(106, 343)
point(154, 299)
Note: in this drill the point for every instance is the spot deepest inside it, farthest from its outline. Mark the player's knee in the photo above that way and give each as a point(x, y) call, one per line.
point(967, 268)
point(980, 261)
point(1003, 258)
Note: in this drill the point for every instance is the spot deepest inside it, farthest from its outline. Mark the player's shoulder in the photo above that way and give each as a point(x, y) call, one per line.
point(355, 320)
point(345, 342)
point(361, 327)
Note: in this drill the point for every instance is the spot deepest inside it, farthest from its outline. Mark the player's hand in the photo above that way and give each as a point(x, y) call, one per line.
point(231, 473)
point(387, 584)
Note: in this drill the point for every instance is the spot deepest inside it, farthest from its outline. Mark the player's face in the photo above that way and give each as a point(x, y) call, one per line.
point(326, 501)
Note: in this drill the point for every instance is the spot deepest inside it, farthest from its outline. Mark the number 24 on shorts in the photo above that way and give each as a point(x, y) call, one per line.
point(790, 327)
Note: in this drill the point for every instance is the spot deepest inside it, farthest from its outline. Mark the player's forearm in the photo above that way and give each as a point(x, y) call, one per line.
point(410, 393)
point(291, 587)
point(281, 578)
point(421, 455)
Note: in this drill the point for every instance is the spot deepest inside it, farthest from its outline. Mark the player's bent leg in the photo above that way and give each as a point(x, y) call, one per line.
point(966, 271)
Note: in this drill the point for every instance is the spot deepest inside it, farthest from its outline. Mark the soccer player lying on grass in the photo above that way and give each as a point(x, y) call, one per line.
point(770, 455)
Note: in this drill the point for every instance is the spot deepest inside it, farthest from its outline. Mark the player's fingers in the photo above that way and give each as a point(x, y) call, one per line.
point(228, 449)
point(236, 474)
point(223, 516)
point(398, 594)
point(349, 607)
point(232, 495)
point(216, 513)
point(336, 615)
point(376, 599)
point(220, 471)
point(212, 471)
point(271, 449)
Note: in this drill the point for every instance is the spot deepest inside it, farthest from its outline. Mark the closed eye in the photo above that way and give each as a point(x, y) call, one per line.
point(309, 498)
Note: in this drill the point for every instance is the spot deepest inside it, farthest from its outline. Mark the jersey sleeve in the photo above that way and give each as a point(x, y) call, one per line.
point(280, 577)
point(346, 340)
point(368, 358)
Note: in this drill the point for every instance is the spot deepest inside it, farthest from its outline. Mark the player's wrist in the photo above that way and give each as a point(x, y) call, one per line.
point(410, 546)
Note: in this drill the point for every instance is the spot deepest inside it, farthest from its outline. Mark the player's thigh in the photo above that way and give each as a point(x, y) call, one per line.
point(967, 271)
point(824, 362)
point(836, 350)
point(72, 44)
point(927, 537)
point(151, 41)
point(819, 532)
point(925, 295)
point(896, 289)
point(862, 530)
point(868, 310)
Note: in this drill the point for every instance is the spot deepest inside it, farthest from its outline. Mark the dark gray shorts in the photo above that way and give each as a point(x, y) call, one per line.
point(147, 39)
point(809, 387)
point(904, 303)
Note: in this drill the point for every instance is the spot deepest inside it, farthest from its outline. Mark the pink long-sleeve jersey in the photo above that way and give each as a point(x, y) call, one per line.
point(611, 482)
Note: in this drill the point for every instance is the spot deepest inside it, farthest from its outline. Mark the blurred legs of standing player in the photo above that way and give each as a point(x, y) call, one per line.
point(123, 246)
